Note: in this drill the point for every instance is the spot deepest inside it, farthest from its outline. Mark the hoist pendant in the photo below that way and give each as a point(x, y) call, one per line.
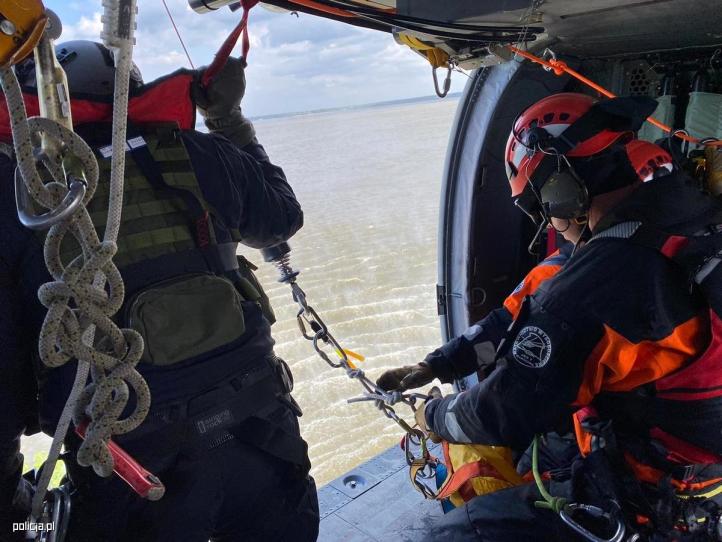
point(22, 22)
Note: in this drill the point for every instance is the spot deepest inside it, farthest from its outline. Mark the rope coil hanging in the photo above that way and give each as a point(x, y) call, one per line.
point(87, 291)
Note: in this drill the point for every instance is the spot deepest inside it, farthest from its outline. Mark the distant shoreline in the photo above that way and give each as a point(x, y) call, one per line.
point(404, 101)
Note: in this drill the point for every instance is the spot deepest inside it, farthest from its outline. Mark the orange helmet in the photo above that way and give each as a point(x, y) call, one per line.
point(572, 126)
point(549, 118)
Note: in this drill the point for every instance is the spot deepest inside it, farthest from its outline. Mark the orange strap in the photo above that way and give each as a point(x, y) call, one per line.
point(324, 8)
point(559, 67)
point(227, 46)
point(466, 473)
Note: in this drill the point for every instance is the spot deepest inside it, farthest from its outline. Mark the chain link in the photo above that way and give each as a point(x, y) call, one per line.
point(315, 330)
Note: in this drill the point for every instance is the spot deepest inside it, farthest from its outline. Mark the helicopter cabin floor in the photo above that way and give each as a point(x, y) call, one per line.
point(375, 501)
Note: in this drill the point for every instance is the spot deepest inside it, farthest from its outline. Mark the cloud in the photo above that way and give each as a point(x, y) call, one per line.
point(295, 63)
point(87, 28)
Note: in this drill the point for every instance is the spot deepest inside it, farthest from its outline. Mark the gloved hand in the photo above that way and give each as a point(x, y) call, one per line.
point(434, 393)
point(220, 103)
point(405, 378)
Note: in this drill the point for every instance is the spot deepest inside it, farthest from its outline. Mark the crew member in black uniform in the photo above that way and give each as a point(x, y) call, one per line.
point(608, 348)
point(475, 349)
point(222, 433)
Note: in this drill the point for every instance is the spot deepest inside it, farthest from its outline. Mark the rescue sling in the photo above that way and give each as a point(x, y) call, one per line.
point(472, 470)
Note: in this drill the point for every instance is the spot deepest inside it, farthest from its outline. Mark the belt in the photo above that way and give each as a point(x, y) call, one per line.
point(236, 398)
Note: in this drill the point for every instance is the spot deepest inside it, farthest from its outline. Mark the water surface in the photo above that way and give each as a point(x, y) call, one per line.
point(368, 180)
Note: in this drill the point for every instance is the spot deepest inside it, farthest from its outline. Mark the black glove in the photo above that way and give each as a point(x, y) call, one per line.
point(220, 103)
point(405, 378)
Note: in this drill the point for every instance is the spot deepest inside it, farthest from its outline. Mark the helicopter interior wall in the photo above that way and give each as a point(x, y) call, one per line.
point(500, 233)
point(483, 236)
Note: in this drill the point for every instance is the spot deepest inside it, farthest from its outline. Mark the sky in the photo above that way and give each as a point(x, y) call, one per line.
point(295, 64)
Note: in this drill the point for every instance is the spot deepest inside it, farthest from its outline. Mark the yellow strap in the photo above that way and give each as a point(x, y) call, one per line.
point(415, 469)
point(436, 57)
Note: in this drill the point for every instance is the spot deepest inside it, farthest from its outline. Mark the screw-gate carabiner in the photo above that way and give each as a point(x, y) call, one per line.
point(595, 512)
point(441, 93)
point(66, 209)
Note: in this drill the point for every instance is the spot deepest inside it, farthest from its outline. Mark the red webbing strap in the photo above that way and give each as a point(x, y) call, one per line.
point(143, 482)
point(465, 473)
point(225, 49)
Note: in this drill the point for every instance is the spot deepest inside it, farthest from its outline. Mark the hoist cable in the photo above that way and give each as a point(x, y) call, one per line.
point(177, 33)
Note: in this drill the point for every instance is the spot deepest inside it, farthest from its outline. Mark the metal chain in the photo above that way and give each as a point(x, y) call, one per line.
point(315, 330)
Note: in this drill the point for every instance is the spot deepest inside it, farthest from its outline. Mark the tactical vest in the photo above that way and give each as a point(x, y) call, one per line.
point(204, 317)
point(165, 218)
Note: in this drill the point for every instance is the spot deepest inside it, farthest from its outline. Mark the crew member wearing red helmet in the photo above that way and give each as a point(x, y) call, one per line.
point(590, 347)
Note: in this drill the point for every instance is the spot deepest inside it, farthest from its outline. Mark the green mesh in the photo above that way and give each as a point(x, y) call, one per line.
point(704, 115)
point(153, 222)
point(665, 114)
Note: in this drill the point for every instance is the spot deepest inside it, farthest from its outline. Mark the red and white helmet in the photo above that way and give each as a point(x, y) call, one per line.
point(549, 118)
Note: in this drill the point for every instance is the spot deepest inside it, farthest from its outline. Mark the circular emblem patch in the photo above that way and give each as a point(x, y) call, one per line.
point(532, 347)
point(519, 287)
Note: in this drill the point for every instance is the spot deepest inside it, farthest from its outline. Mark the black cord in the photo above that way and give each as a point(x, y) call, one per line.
point(580, 240)
point(360, 10)
point(484, 34)
point(479, 37)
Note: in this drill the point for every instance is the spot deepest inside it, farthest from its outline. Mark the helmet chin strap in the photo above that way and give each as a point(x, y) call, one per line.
point(580, 240)
point(542, 226)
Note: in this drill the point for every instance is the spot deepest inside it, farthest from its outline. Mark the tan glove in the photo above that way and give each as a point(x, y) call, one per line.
point(405, 378)
point(220, 103)
point(420, 414)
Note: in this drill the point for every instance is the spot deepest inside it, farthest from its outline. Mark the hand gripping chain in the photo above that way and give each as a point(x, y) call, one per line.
point(315, 330)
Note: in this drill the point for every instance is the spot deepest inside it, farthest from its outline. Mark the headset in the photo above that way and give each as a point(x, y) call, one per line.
point(555, 187)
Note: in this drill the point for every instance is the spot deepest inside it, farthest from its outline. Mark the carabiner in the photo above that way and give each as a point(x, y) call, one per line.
point(60, 506)
point(67, 208)
point(596, 512)
point(447, 81)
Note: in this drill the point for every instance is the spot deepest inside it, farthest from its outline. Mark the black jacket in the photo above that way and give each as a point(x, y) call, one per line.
point(249, 193)
point(617, 317)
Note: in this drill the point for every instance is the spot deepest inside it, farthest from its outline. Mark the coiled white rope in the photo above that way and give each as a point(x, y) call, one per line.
point(89, 290)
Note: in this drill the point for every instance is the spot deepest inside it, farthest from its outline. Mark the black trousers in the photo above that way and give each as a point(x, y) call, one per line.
point(503, 516)
point(510, 514)
point(231, 493)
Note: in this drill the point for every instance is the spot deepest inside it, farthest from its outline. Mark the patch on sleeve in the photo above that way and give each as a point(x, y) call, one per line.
point(518, 287)
point(532, 347)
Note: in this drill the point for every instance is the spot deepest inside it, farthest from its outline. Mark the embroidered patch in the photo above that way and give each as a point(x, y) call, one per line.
point(518, 287)
point(532, 347)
